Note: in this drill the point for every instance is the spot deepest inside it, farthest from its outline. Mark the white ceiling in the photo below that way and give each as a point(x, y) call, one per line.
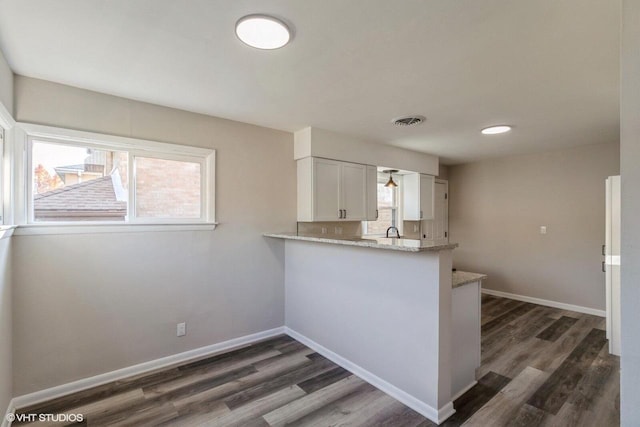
point(548, 67)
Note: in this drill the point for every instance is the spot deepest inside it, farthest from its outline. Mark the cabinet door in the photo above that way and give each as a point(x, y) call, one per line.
point(372, 193)
point(354, 191)
point(411, 197)
point(326, 190)
point(427, 184)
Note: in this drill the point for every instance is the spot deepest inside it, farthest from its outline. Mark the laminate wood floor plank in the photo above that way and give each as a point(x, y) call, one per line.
point(323, 380)
point(288, 379)
point(258, 407)
point(561, 383)
point(399, 415)
point(474, 399)
point(309, 403)
point(528, 416)
point(506, 318)
point(557, 328)
point(554, 355)
point(336, 412)
point(504, 406)
point(498, 308)
point(501, 343)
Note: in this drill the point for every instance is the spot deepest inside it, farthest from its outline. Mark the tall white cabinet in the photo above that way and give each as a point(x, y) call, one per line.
point(611, 263)
point(418, 196)
point(437, 229)
point(331, 190)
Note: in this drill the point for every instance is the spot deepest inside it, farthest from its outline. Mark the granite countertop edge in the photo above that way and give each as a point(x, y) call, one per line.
point(459, 278)
point(366, 243)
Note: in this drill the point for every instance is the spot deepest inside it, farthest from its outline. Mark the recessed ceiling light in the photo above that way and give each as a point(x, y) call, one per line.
point(263, 31)
point(492, 130)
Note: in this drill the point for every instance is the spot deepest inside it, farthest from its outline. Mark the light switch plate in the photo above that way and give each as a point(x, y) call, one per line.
point(181, 329)
point(543, 229)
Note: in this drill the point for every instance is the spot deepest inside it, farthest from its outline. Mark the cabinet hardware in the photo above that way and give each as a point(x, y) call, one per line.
point(339, 213)
point(376, 213)
point(445, 196)
point(445, 234)
point(603, 267)
point(604, 250)
point(345, 213)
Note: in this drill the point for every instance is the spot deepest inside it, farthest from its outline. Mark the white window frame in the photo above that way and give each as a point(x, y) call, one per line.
point(7, 126)
point(27, 133)
point(383, 179)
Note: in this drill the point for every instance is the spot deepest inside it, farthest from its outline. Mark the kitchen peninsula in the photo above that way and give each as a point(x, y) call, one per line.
point(380, 308)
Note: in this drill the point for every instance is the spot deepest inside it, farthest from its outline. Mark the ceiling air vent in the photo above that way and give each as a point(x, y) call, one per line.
point(409, 121)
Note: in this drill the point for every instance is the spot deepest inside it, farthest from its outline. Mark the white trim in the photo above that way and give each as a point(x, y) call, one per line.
point(437, 416)
point(464, 390)
point(548, 303)
point(86, 383)
point(11, 409)
point(7, 231)
point(6, 119)
point(75, 228)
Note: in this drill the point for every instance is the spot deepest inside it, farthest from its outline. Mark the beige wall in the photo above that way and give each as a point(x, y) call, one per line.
point(95, 303)
point(6, 327)
point(497, 207)
point(630, 168)
point(6, 84)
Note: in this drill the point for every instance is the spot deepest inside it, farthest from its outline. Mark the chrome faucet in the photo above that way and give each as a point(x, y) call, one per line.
point(393, 228)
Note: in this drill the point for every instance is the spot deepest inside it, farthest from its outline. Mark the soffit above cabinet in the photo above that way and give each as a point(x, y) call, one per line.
point(314, 142)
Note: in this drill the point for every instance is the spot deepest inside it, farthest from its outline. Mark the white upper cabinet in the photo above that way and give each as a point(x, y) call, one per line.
point(330, 190)
point(418, 196)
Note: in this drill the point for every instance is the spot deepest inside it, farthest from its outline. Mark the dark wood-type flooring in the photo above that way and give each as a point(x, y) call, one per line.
point(540, 367)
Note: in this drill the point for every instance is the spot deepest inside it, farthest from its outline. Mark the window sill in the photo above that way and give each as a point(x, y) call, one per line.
point(42, 229)
point(6, 231)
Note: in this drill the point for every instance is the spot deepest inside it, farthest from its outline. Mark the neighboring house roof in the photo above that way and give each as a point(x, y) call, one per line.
point(83, 167)
point(91, 198)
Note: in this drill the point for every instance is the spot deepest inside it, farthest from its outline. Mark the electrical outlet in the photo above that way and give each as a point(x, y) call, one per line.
point(543, 229)
point(338, 230)
point(182, 329)
point(416, 228)
point(323, 230)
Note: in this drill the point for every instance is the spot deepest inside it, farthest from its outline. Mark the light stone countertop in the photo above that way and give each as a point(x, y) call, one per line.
point(460, 278)
point(395, 244)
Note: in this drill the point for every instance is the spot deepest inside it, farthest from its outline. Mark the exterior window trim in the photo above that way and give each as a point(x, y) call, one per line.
point(26, 133)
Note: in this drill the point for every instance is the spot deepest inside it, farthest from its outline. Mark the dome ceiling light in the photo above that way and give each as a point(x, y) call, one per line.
point(263, 32)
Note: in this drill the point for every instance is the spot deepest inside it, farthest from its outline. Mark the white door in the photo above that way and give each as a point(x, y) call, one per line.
point(354, 191)
point(611, 263)
point(441, 213)
point(427, 184)
point(326, 190)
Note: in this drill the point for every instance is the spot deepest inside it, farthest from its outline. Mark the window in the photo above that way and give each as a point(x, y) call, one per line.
point(81, 178)
point(388, 208)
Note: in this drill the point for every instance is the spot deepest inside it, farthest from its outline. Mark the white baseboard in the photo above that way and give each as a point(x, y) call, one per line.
point(11, 409)
point(548, 303)
point(86, 383)
point(463, 391)
point(435, 415)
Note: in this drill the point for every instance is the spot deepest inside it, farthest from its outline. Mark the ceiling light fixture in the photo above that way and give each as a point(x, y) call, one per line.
point(263, 32)
point(390, 183)
point(493, 130)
